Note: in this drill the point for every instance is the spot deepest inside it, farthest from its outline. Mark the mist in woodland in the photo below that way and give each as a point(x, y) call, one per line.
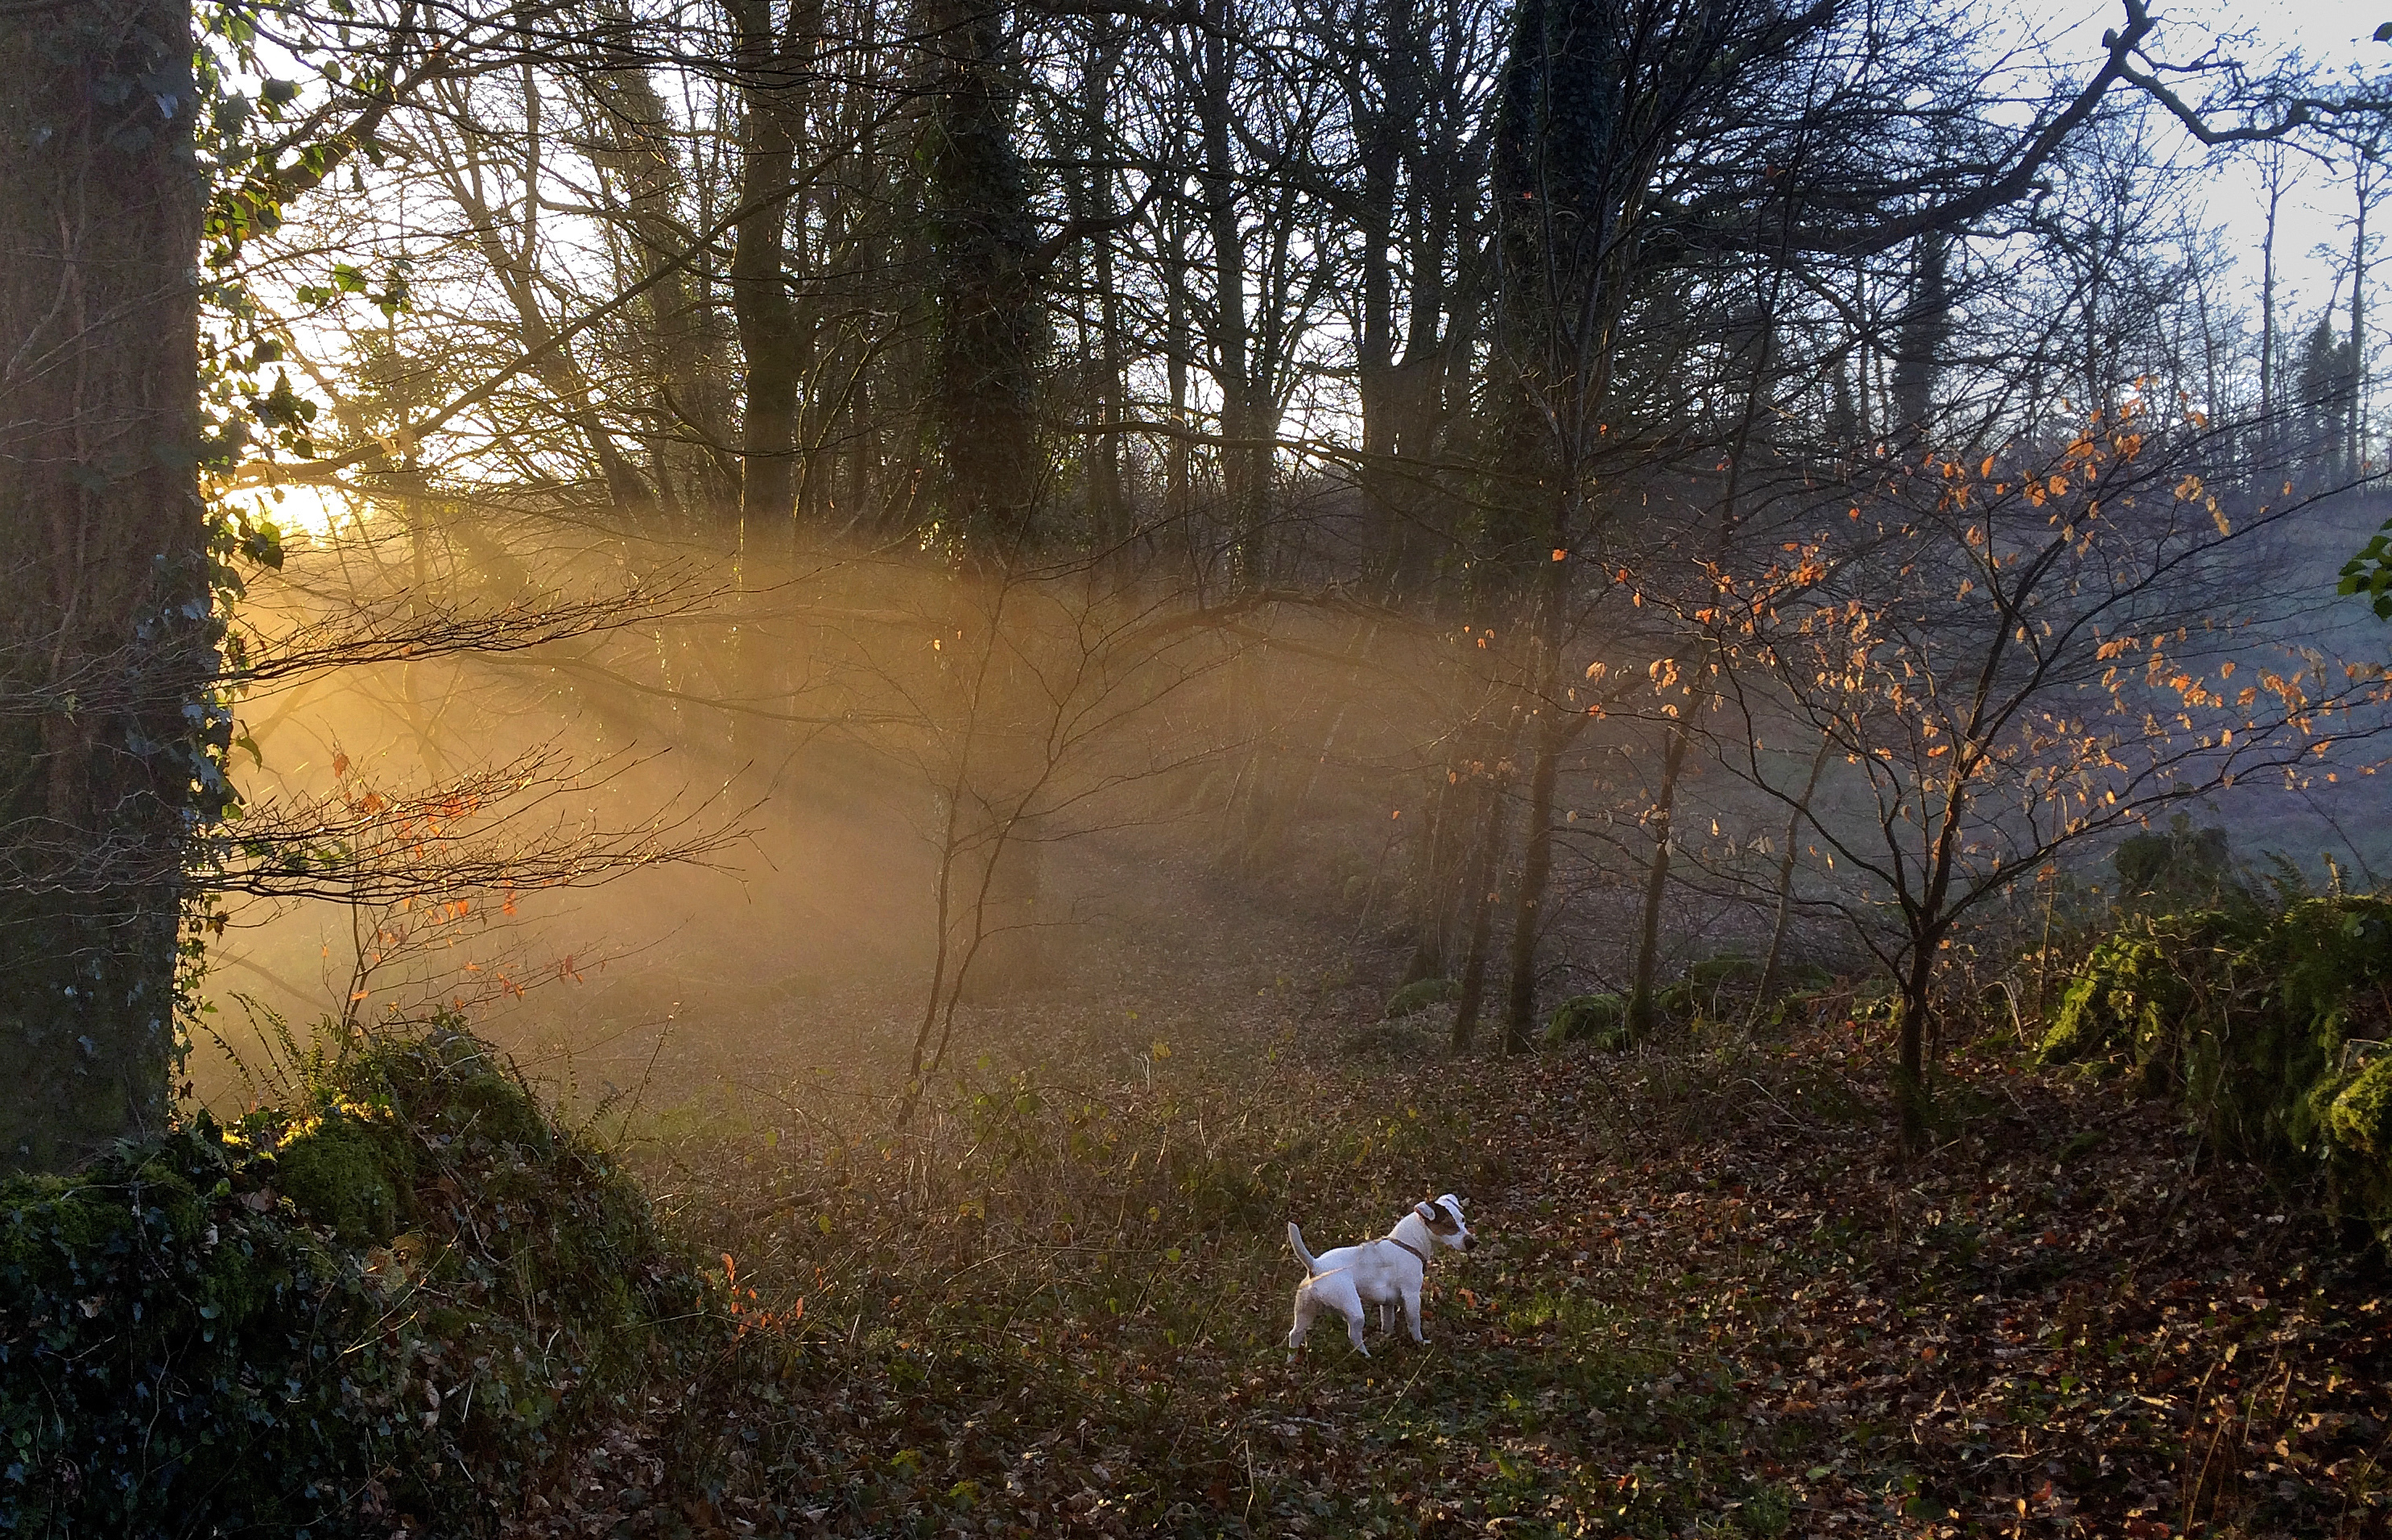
point(799, 525)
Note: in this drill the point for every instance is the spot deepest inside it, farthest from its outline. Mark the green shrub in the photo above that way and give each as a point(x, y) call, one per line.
point(2133, 996)
point(1728, 970)
point(2264, 1025)
point(160, 1333)
point(1599, 1018)
point(2330, 958)
point(1418, 996)
point(2182, 866)
point(198, 1337)
point(1767, 1513)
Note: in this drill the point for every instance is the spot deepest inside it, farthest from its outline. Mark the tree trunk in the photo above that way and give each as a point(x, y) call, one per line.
point(1246, 466)
point(1485, 863)
point(1375, 383)
point(1777, 927)
point(1435, 860)
point(634, 144)
point(1108, 513)
point(2271, 172)
point(1657, 883)
point(1925, 333)
point(2355, 430)
point(1910, 1098)
point(771, 110)
point(1551, 733)
point(1536, 872)
point(990, 320)
point(1179, 344)
point(106, 646)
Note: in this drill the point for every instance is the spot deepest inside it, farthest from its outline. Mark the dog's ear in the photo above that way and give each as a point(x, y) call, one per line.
point(1436, 1213)
point(1428, 1212)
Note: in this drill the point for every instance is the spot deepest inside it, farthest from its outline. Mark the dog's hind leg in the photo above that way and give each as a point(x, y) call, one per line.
point(1354, 1329)
point(1306, 1307)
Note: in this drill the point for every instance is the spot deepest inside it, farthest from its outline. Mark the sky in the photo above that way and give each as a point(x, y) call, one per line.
point(2335, 34)
point(2320, 28)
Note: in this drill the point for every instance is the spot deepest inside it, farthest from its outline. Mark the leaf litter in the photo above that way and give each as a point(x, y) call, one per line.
point(1709, 1299)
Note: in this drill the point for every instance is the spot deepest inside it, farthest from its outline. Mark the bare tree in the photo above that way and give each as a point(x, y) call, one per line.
point(2012, 657)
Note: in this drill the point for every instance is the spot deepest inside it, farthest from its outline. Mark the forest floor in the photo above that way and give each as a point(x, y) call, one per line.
point(1709, 1299)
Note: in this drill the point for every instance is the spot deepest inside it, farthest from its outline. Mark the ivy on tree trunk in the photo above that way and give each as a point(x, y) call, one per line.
point(106, 646)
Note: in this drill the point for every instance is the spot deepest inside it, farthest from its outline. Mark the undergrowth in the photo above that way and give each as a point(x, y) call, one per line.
point(1070, 1301)
point(389, 1302)
point(1709, 1299)
point(2268, 1026)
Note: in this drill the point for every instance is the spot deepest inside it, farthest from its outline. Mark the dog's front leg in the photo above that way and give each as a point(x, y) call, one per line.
point(1411, 1314)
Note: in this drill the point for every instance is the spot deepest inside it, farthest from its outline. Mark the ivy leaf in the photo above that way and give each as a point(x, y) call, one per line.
point(2370, 572)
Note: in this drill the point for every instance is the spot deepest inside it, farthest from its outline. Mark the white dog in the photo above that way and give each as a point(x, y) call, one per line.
point(1377, 1273)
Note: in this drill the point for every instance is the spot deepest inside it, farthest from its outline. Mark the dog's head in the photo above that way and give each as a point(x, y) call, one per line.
point(1443, 1217)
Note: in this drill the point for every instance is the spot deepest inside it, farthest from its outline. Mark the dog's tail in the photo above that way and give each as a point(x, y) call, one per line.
point(1295, 1238)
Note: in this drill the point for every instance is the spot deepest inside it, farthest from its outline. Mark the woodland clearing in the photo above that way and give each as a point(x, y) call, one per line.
point(1711, 1298)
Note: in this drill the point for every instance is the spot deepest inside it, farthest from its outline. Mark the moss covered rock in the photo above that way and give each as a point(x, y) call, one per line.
point(1728, 970)
point(1598, 1018)
point(2356, 1131)
point(1420, 995)
point(2360, 1117)
point(2132, 997)
point(2149, 991)
point(344, 1169)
